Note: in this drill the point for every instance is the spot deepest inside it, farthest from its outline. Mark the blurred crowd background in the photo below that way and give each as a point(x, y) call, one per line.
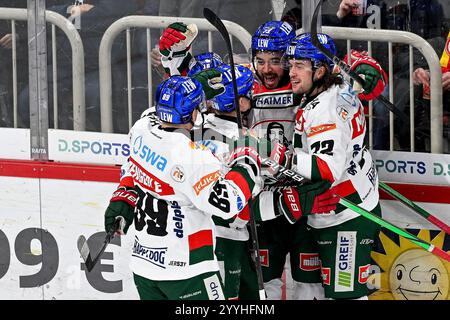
point(430, 19)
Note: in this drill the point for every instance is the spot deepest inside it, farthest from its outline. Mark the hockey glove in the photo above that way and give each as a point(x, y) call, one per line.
point(370, 70)
point(245, 163)
point(122, 203)
point(174, 46)
point(211, 81)
point(312, 198)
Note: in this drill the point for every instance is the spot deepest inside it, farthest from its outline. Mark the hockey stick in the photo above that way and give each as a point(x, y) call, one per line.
point(437, 222)
point(352, 74)
point(218, 24)
point(84, 250)
point(421, 243)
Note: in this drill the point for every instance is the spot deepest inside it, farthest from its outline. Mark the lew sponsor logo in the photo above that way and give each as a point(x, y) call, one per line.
point(155, 256)
point(309, 261)
point(345, 261)
point(263, 43)
point(147, 155)
point(206, 181)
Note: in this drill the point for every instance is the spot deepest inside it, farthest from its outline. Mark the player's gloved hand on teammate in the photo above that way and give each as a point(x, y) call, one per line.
point(211, 81)
point(174, 45)
point(245, 153)
point(295, 202)
point(368, 68)
point(122, 203)
point(245, 162)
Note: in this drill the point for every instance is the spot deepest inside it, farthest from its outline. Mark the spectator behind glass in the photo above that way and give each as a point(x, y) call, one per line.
point(248, 14)
point(421, 78)
point(6, 76)
point(92, 18)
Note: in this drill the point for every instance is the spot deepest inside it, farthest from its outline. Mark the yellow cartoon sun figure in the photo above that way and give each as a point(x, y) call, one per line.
point(410, 272)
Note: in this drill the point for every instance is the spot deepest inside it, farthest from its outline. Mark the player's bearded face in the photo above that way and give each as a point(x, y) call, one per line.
point(269, 68)
point(301, 75)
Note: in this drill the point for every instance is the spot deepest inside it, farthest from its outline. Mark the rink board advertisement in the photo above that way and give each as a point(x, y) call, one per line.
point(413, 167)
point(41, 219)
point(15, 144)
point(110, 148)
point(88, 147)
point(404, 271)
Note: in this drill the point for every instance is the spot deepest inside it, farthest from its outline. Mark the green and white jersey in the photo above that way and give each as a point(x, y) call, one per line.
point(234, 229)
point(180, 185)
point(329, 145)
point(273, 113)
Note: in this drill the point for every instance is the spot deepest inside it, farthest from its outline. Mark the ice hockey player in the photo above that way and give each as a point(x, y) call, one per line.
point(272, 116)
point(175, 186)
point(329, 145)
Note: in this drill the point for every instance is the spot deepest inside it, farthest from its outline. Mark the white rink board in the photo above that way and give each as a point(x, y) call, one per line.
point(69, 209)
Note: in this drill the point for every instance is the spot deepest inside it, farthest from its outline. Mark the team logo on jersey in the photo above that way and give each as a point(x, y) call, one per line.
point(363, 274)
point(309, 261)
point(177, 173)
point(206, 181)
point(264, 257)
point(326, 275)
point(155, 256)
point(342, 113)
point(345, 261)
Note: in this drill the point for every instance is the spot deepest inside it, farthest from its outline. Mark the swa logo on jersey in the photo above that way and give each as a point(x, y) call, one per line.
point(345, 261)
point(155, 256)
point(149, 156)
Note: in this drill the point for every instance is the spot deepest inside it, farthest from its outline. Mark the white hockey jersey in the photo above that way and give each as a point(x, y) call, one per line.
point(180, 186)
point(329, 145)
point(227, 127)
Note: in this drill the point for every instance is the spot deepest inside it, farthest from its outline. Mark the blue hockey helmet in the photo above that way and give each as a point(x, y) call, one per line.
point(205, 61)
point(302, 48)
point(177, 97)
point(272, 36)
point(244, 81)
